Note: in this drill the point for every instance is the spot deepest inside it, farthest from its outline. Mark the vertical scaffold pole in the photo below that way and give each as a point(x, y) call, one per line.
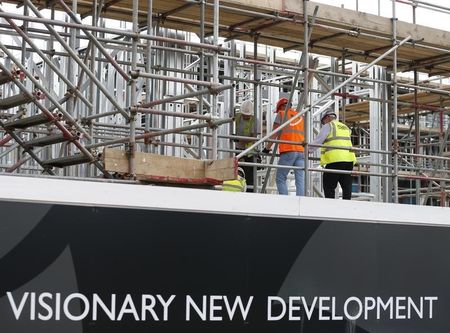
point(202, 71)
point(417, 138)
point(308, 115)
point(133, 97)
point(256, 78)
point(394, 102)
point(24, 59)
point(70, 62)
point(416, 121)
point(148, 67)
point(443, 137)
point(215, 73)
point(71, 68)
point(91, 96)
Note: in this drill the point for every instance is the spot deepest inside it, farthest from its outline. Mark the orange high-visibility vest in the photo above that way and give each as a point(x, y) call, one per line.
point(294, 132)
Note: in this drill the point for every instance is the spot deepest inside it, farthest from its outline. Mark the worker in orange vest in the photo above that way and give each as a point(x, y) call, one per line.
point(291, 154)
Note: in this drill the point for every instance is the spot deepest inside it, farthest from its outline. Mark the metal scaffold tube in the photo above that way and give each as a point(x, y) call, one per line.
point(136, 73)
point(171, 113)
point(303, 65)
point(40, 87)
point(395, 94)
point(215, 80)
point(306, 99)
point(323, 98)
point(184, 96)
point(35, 48)
point(118, 32)
point(75, 57)
point(51, 118)
point(213, 123)
point(256, 103)
point(133, 93)
point(149, 83)
point(95, 41)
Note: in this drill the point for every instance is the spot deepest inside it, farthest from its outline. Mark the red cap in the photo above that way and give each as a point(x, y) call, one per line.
point(282, 101)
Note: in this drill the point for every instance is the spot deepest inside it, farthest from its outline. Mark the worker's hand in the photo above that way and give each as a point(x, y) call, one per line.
point(266, 151)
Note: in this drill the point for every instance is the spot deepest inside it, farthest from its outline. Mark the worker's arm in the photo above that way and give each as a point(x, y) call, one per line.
point(324, 131)
point(268, 146)
point(276, 124)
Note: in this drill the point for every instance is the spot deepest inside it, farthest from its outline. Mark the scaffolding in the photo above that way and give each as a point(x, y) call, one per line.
point(166, 78)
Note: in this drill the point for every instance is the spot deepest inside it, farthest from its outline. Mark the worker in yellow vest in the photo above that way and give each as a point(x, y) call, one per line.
point(236, 185)
point(291, 154)
point(246, 126)
point(335, 133)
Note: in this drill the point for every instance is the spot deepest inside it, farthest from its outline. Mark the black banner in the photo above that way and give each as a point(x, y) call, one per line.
point(85, 269)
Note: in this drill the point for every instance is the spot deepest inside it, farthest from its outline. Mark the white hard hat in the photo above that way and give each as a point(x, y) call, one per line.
point(328, 112)
point(247, 108)
point(241, 172)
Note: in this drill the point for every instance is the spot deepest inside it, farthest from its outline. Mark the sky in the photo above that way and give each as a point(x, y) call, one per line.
point(424, 16)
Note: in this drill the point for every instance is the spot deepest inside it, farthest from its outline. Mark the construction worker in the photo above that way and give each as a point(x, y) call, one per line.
point(236, 185)
point(246, 125)
point(335, 133)
point(290, 154)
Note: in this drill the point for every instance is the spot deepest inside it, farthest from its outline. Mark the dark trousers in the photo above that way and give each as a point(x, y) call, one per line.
point(331, 179)
point(248, 172)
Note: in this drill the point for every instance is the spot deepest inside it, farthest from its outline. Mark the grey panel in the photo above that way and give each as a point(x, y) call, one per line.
point(19, 220)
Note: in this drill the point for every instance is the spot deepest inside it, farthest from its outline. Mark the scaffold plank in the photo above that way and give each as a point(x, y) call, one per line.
point(280, 23)
point(426, 101)
point(171, 169)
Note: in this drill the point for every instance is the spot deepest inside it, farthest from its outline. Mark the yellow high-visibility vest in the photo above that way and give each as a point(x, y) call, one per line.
point(247, 130)
point(339, 136)
point(235, 185)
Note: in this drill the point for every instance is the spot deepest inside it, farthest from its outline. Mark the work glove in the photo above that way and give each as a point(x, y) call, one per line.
point(266, 151)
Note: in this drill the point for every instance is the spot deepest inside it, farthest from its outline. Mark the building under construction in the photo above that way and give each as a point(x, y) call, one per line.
point(117, 132)
point(146, 91)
